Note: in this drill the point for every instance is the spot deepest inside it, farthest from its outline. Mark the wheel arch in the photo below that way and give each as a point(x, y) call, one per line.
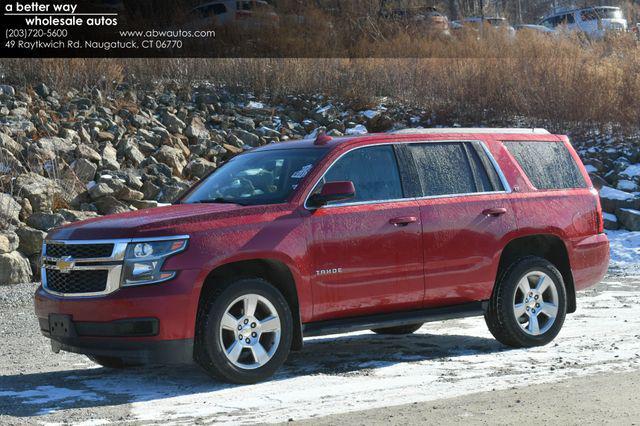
point(547, 246)
point(275, 271)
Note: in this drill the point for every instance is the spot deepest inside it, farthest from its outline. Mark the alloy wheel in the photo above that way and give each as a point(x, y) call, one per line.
point(535, 303)
point(250, 331)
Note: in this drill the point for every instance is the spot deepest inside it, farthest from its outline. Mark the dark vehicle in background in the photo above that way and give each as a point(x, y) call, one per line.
point(429, 19)
point(246, 13)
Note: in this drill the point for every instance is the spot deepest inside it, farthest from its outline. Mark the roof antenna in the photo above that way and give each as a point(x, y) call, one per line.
point(322, 138)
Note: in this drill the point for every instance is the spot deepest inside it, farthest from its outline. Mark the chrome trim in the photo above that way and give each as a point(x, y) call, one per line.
point(113, 264)
point(501, 176)
point(113, 280)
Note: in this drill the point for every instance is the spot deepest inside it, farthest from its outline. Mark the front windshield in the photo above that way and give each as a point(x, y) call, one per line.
point(263, 177)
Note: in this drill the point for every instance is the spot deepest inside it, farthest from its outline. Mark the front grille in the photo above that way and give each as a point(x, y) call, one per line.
point(79, 251)
point(77, 282)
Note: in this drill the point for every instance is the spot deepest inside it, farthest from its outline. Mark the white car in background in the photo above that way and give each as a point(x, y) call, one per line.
point(595, 22)
point(253, 13)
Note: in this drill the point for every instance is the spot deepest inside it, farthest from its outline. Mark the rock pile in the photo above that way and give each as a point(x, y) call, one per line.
point(75, 155)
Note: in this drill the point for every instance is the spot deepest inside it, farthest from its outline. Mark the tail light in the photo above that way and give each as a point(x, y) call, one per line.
point(599, 215)
point(242, 14)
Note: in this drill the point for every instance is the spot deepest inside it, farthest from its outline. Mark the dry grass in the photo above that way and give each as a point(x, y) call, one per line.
point(559, 80)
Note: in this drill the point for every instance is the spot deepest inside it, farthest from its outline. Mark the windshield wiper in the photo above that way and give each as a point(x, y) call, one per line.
point(219, 200)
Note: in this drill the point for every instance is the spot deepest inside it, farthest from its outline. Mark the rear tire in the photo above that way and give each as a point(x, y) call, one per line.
point(529, 304)
point(401, 329)
point(244, 332)
point(113, 362)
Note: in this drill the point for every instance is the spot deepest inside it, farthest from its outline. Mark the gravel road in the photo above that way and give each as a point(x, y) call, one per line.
point(360, 373)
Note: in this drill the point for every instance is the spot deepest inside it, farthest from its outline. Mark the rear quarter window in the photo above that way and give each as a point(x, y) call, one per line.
point(548, 165)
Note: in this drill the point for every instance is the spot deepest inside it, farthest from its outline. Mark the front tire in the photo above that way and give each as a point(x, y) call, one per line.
point(246, 330)
point(529, 304)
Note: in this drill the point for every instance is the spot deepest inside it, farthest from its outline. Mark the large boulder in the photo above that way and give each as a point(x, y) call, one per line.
point(629, 218)
point(8, 143)
point(8, 241)
point(614, 199)
point(45, 221)
point(197, 129)
point(84, 169)
point(172, 157)
point(611, 222)
point(54, 147)
point(14, 268)
point(173, 123)
point(248, 138)
point(109, 159)
point(39, 190)
point(30, 240)
point(9, 209)
point(199, 168)
point(100, 190)
point(109, 205)
point(85, 151)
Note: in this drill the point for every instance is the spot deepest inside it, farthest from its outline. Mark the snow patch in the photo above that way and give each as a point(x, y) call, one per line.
point(625, 250)
point(357, 130)
point(47, 394)
point(627, 185)
point(591, 169)
point(632, 170)
point(370, 113)
point(255, 105)
point(614, 194)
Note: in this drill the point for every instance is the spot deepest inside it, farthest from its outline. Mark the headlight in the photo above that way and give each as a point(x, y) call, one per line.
point(143, 261)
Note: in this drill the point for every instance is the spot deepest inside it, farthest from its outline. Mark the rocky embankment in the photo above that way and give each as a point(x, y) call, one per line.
point(70, 156)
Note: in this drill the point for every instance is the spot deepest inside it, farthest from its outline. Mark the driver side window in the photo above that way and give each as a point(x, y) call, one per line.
point(373, 171)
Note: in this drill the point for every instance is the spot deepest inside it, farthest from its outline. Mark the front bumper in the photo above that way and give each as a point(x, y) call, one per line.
point(153, 323)
point(115, 339)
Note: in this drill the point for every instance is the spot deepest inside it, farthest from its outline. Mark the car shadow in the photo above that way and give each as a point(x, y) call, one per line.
point(35, 394)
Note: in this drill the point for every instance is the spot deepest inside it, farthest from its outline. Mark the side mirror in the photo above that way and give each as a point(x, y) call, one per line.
point(333, 191)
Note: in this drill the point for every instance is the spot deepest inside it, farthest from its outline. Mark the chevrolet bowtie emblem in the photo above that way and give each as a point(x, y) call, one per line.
point(65, 265)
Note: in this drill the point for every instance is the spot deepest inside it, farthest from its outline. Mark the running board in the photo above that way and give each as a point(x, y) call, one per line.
point(347, 325)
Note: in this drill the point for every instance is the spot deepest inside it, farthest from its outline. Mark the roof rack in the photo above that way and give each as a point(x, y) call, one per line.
point(481, 130)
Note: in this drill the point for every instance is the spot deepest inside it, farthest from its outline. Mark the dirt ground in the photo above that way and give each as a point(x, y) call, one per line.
point(447, 372)
point(610, 399)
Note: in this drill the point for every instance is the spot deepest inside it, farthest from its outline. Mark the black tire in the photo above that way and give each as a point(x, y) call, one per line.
point(210, 352)
point(500, 315)
point(401, 329)
point(113, 362)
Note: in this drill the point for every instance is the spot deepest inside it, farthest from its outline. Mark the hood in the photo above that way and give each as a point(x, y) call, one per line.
point(157, 222)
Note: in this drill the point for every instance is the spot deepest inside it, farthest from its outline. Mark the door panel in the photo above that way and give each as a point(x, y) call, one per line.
point(466, 213)
point(366, 264)
point(462, 246)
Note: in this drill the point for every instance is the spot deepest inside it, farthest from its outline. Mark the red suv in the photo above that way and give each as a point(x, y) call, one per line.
point(382, 232)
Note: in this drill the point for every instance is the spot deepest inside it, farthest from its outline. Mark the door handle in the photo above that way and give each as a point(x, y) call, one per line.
point(495, 212)
point(403, 221)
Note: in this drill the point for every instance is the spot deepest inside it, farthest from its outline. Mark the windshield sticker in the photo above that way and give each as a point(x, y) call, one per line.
point(302, 172)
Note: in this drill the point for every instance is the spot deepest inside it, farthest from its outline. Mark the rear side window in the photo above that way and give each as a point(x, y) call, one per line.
point(373, 171)
point(452, 168)
point(548, 165)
